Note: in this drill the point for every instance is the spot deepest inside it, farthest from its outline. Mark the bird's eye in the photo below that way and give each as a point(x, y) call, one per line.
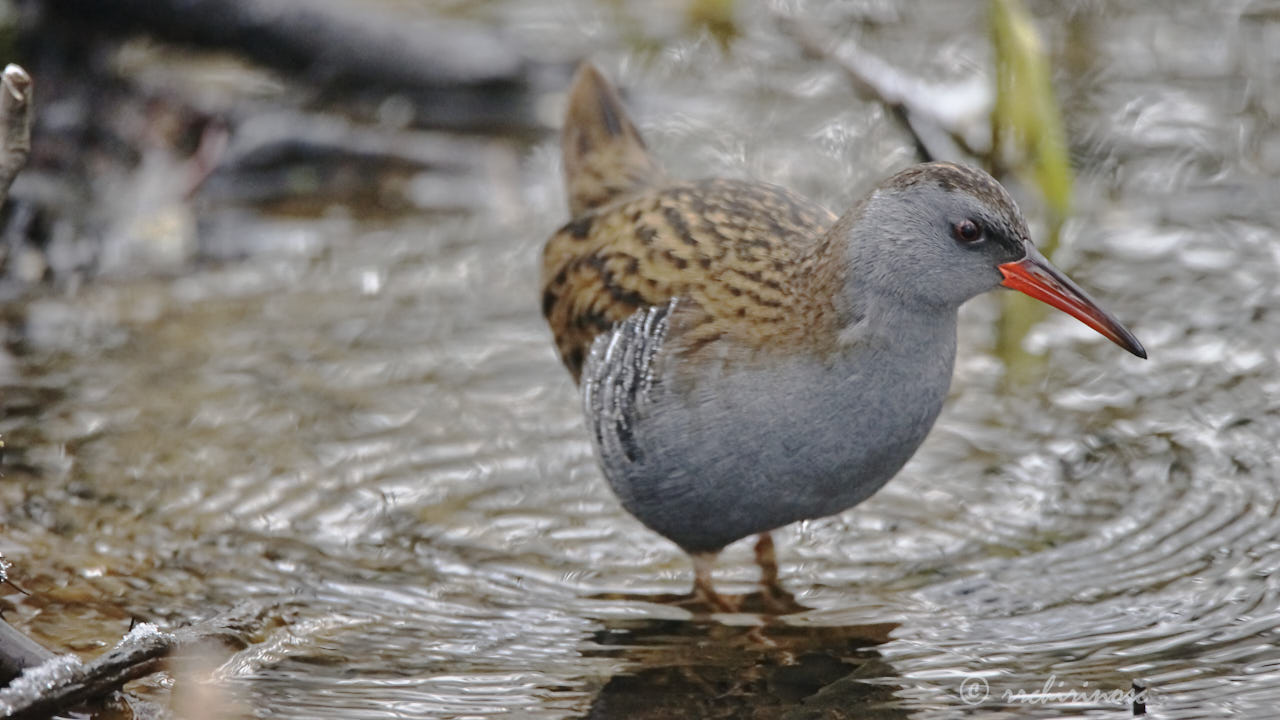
point(967, 231)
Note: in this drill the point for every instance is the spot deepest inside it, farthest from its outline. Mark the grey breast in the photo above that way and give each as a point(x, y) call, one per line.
point(748, 451)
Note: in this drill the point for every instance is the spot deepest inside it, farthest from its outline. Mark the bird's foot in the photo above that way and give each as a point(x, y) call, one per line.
point(703, 591)
point(717, 602)
point(776, 600)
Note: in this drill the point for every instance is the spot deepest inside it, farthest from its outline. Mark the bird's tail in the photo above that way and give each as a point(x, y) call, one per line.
point(604, 156)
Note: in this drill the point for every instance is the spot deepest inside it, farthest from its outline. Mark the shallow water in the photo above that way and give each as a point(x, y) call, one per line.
point(366, 419)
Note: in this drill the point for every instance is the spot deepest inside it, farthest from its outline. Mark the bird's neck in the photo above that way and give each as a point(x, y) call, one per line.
point(865, 301)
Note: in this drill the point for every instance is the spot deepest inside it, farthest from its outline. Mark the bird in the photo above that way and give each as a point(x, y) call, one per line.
point(748, 359)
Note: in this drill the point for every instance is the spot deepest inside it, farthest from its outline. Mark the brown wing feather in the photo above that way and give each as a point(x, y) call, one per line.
point(744, 253)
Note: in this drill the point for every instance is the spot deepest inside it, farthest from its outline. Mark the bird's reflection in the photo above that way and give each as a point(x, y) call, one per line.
point(701, 668)
point(770, 600)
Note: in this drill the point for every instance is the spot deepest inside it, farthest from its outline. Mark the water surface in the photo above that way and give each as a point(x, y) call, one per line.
point(365, 419)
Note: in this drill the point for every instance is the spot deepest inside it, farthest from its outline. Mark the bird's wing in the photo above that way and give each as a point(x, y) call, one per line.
point(616, 380)
point(732, 248)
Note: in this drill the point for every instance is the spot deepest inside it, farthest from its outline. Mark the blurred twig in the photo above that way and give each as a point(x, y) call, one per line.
point(937, 134)
point(15, 124)
point(1026, 124)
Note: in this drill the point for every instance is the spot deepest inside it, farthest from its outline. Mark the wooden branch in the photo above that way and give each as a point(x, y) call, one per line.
point(15, 124)
point(455, 73)
point(64, 682)
point(355, 42)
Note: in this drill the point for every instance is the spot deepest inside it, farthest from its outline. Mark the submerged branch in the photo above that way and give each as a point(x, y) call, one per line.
point(18, 652)
point(64, 682)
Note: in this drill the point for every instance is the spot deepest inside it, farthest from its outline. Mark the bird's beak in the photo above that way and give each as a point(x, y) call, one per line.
point(1034, 276)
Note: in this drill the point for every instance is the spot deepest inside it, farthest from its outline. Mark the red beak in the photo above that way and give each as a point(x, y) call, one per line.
point(1034, 276)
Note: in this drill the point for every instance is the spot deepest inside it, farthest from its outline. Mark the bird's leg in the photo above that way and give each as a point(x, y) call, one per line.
point(776, 599)
point(702, 588)
point(767, 559)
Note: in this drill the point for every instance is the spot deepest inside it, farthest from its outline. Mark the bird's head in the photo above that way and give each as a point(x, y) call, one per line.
point(938, 234)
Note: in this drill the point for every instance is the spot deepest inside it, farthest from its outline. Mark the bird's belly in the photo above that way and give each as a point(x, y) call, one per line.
point(758, 449)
